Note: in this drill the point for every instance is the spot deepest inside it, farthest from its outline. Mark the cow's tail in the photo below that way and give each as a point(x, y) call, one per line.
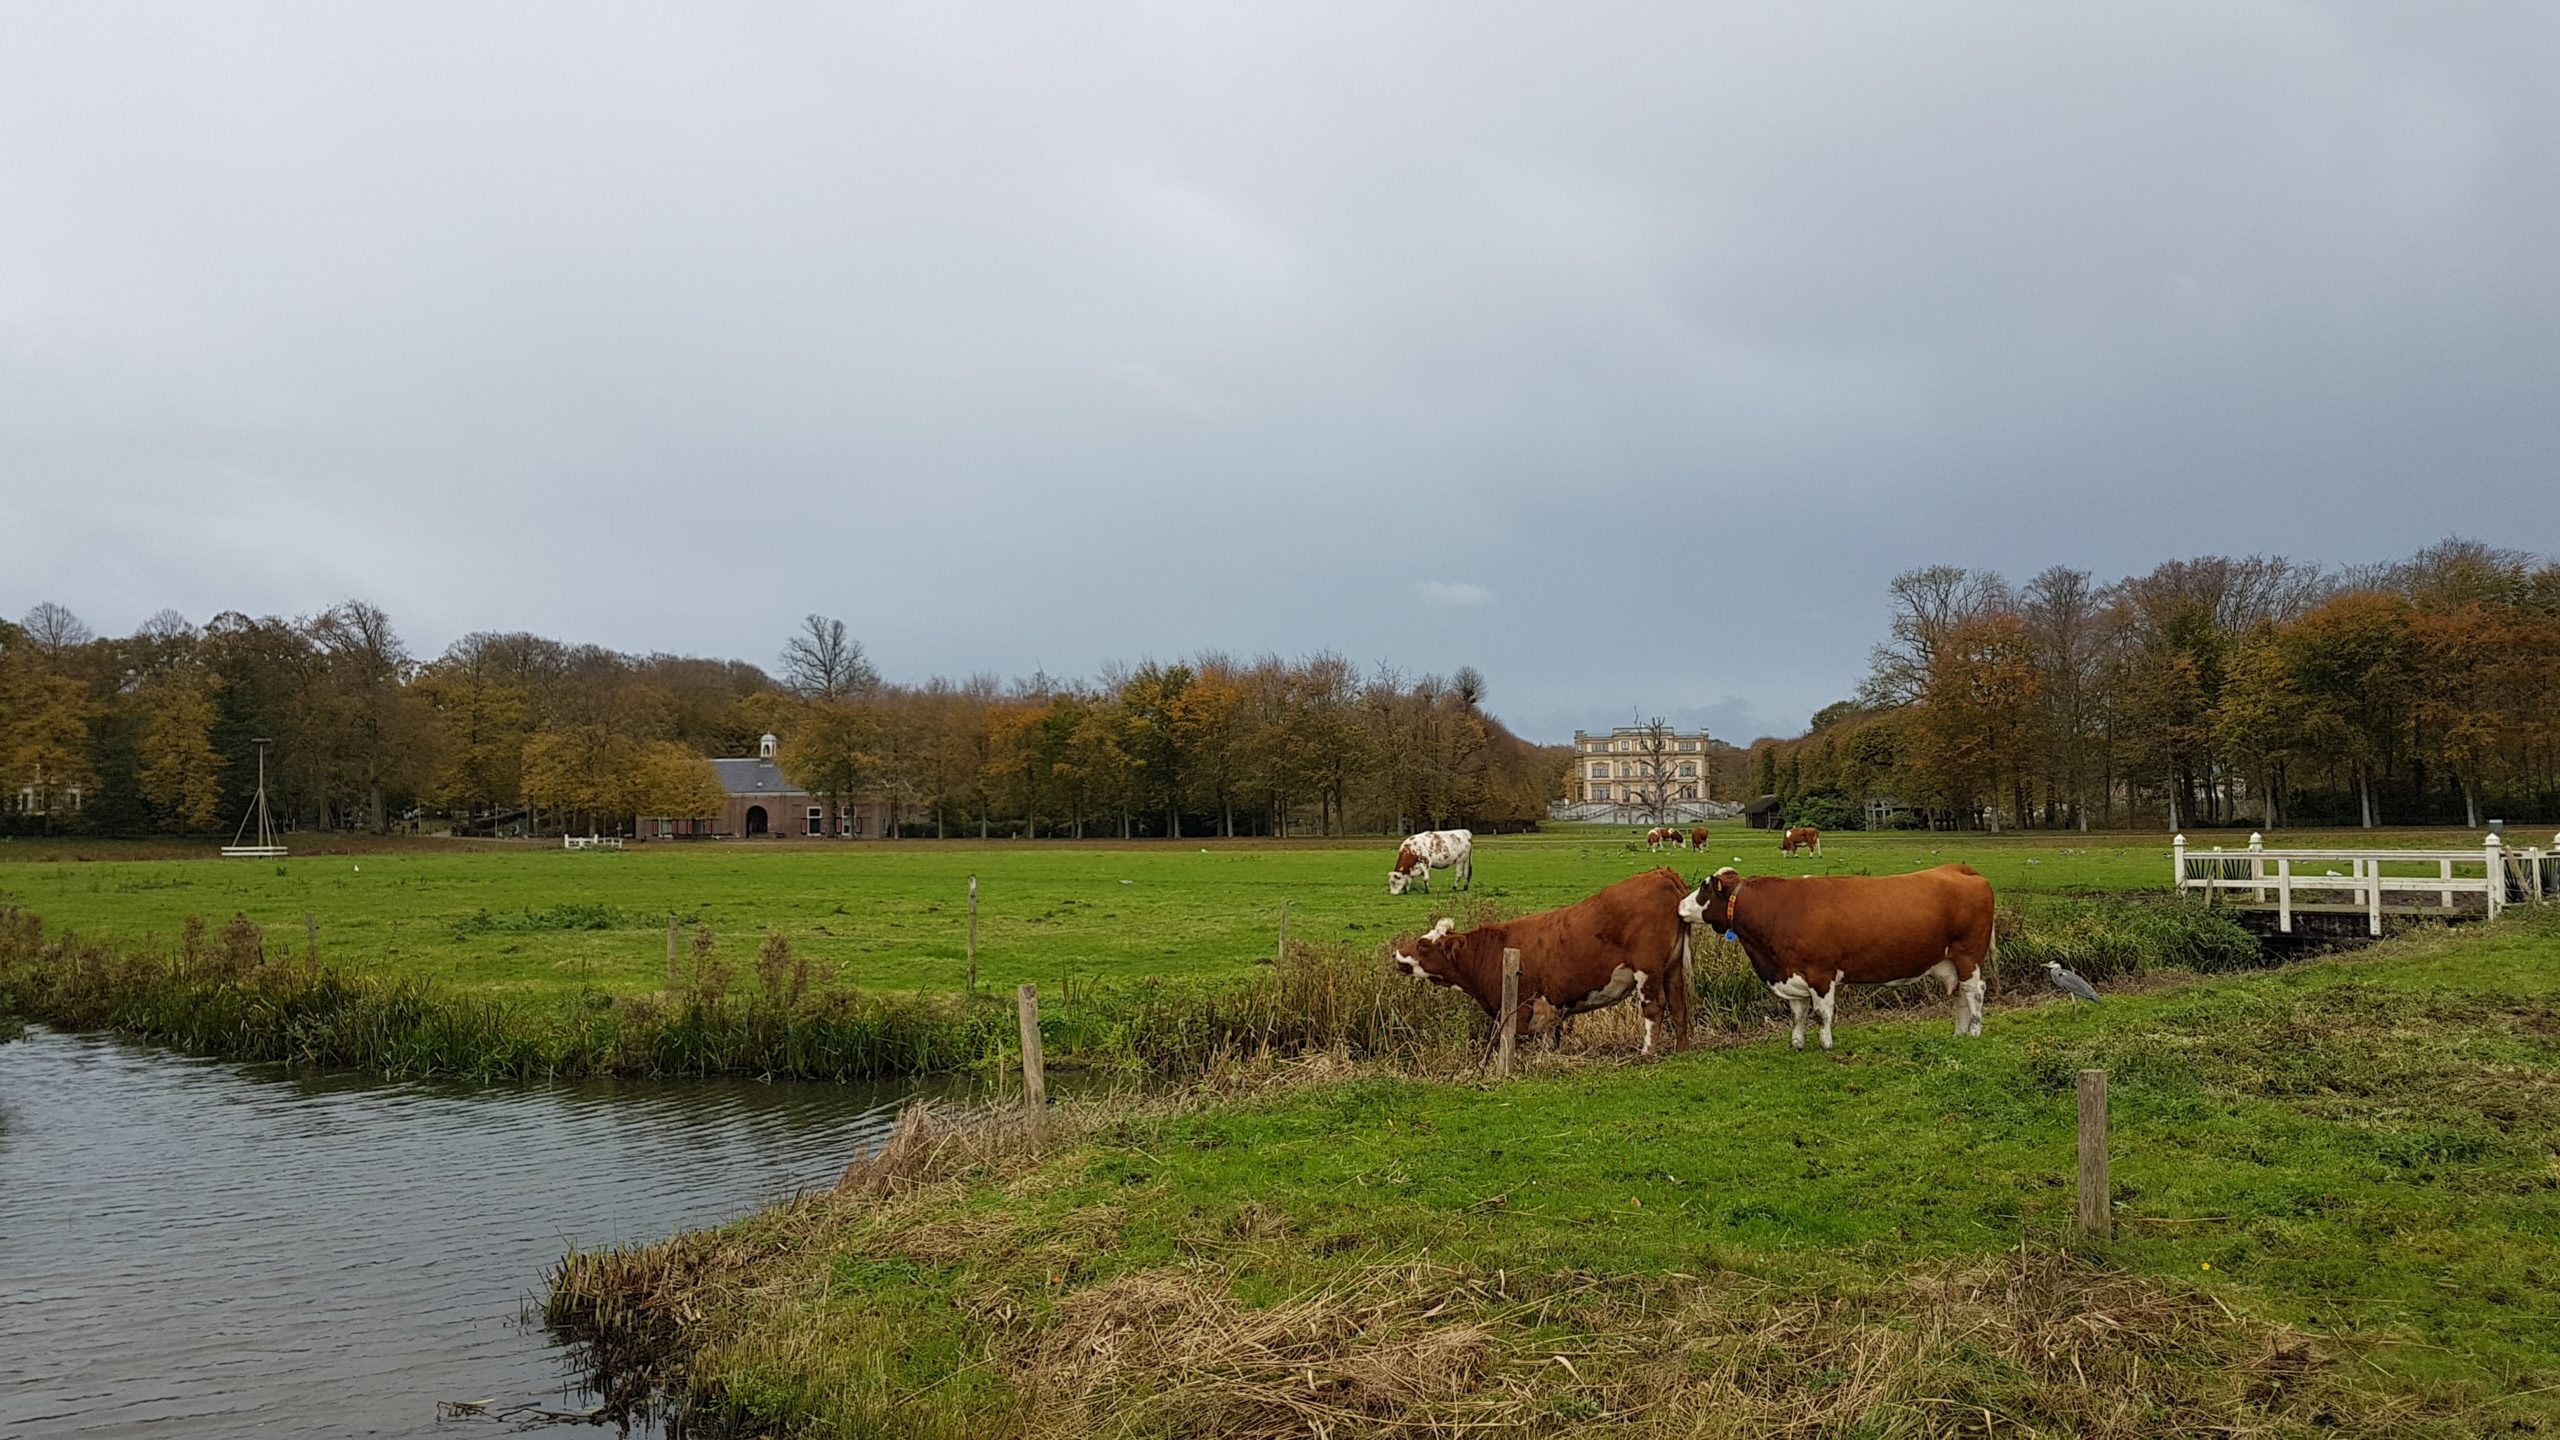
point(1678, 983)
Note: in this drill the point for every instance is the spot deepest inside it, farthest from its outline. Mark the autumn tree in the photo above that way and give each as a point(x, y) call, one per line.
point(1976, 718)
point(584, 771)
point(380, 727)
point(833, 751)
point(45, 715)
point(2352, 659)
point(1153, 736)
point(181, 772)
point(674, 781)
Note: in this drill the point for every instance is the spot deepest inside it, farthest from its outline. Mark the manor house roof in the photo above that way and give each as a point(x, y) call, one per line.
point(751, 775)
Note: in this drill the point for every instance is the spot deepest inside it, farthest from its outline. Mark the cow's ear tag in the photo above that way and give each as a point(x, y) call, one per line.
point(1729, 935)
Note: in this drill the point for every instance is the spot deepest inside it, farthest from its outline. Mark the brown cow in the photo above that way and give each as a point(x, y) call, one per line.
point(1698, 838)
point(1802, 837)
point(1661, 835)
point(1805, 936)
point(1627, 940)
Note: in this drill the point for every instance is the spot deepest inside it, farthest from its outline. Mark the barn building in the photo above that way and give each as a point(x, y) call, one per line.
point(761, 803)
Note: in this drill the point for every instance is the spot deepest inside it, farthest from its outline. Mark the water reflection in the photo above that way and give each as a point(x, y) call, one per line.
point(198, 1248)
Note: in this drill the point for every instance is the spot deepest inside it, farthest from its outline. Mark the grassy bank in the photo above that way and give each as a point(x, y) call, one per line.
point(2338, 1212)
point(235, 993)
point(541, 925)
point(230, 993)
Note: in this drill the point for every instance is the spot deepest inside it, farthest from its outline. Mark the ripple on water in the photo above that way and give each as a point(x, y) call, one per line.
point(192, 1247)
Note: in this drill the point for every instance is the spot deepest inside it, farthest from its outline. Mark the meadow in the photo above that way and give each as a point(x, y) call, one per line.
point(541, 924)
point(2334, 1192)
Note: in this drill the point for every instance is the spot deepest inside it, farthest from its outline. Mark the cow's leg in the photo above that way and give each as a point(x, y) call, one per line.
point(1823, 1005)
point(1649, 1007)
point(1969, 1005)
point(1799, 998)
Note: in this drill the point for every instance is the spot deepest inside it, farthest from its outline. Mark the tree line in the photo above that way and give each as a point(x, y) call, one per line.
point(158, 732)
point(2209, 691)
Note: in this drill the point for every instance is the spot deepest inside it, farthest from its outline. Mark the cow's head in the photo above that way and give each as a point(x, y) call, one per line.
point(1409, 867)
point(1427, 958)
point(1712, 903)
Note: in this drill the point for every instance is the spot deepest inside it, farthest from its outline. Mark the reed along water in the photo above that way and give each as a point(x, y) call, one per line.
point(200, 1248)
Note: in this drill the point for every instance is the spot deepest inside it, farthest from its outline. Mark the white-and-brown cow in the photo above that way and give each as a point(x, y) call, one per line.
point(1661, 835)
point(1806, 936)
point(1801, 837)
point(1452, 850)
point(1626, 942)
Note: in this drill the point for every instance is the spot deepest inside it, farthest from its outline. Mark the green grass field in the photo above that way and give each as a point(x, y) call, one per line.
point(539, 922)
point(2338, 1202)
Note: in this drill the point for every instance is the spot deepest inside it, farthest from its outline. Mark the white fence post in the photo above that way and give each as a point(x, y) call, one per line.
point(2373, 897)
point(2284, 895)
point(2178, 863)
point(2257, 866)
point(2497, 877)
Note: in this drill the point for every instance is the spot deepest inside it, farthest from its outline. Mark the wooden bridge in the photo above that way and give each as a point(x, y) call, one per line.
point(2418, 884)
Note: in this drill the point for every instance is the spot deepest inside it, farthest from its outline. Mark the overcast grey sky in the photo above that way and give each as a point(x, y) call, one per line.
point(1622, 351)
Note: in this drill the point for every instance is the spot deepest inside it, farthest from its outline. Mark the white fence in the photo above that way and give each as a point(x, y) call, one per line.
point(590, 842)
point(2373, 882)
point(1676, 812)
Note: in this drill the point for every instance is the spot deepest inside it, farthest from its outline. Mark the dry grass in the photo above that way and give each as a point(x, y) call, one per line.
point(2031, 1343)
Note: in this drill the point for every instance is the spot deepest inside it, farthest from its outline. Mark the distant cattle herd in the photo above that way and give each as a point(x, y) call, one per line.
point(1805, 937)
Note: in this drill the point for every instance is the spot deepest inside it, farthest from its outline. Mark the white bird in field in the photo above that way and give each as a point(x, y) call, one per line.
point(2070, 984)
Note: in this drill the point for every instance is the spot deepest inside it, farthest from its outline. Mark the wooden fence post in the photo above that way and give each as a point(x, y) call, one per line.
point(1508, 1020)
point(1035, 1080)
point(672, 979)
point(973, 934)
point(311, 932)
point(1282, 957)
point(2096, 1218)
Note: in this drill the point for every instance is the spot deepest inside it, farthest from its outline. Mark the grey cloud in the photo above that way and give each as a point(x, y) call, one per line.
point(1021, 335)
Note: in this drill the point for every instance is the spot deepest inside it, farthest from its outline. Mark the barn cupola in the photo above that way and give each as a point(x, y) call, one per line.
point(764, 747)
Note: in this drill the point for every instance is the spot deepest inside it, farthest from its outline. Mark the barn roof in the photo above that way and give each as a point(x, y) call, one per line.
point(1761, 806)
point(752, 776)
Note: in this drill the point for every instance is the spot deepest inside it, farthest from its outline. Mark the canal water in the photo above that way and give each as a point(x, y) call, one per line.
point(199, 1248)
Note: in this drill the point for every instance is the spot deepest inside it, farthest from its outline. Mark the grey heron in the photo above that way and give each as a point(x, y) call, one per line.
point(2070, 984)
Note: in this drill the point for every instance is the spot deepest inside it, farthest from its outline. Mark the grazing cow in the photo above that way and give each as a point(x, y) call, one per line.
point(1433, 850)
point(1805, 936)
point(1698, 838)
point(1802, 837)
point(1626, 941)
point(1661, 835)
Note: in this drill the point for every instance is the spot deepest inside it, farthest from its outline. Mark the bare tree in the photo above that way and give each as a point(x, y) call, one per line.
point(2064, 615)
point(167, 626)
point(52, 629)
point(1928, 605)
point(1655, 786)
point(1468, 685)
point(823, 662)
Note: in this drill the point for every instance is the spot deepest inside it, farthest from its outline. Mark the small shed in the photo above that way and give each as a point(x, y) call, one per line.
point(1761, 813)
